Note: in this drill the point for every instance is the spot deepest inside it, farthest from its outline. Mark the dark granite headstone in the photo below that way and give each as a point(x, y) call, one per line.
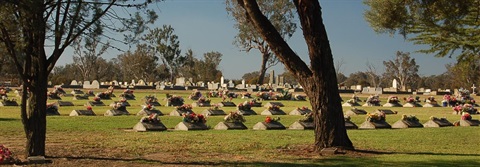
point(8, 103)
point(191, 126)
point(95, 103)
point(82, 113)
point(257, 104)
point(180, 112)
point(301, 125)
point(149, 126)
point(226, 104)
point(355, 111)
point(473, 122)
point(174, 104)
point(65, 103)
point(230, 126)
point(270, 104)
point(273, 112)
point(350, 125)
point(52, 111)
point(198, 104)
point(77, 92)
point(392, 105)
point(210, 112)
point(386, 111)
point(300, 112)
point(412, 105)
point(155, 103)
point(247, 112)
point(80, 97)
point(115, 112)
point(375, 125)
point(268, 126)
point(438, 122)
point(407, 124)
point(145, 112)
point(125, 103)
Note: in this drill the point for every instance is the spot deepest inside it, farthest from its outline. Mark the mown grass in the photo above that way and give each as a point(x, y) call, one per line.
point(97, 140)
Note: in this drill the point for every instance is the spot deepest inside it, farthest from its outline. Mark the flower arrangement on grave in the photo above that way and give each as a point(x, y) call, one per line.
point(119, 106)
point(307, 117)
point(96, 99)
point(194, 118)
point(150, 99)
point(202, 100)
point(392, 99)
point(213, 94)
point(469, 109)
point(300, 97)
point(7, 100)
point(265, 95)
point(373, 100)
point(274, 108)
point(377, 117)
point(304, 108)
point(409, 99)
point(175, 99)
point(431, 100)
point(128, 91)
point(234, 117)
point(215, 107)
point(184, 107)
point(411, 118)
point(52, 106)
point(437, 119)
point(152, 118)
point(89, 108)
point(269, 119)
point(466, 116)
point(457, 108)
point(195, 95)
point(148, 107)
point(244, 106)
point(6, 156)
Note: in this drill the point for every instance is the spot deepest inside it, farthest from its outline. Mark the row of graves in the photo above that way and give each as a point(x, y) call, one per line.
point(410, 101)
point(5, 100)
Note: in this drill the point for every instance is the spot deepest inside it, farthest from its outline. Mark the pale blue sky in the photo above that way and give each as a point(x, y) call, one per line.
point(204, 25)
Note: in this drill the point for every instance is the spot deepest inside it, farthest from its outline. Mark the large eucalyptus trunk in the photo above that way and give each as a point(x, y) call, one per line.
point(319, 79)
point(34, 117)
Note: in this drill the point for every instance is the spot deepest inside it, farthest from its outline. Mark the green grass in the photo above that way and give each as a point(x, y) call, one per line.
point(96, 140)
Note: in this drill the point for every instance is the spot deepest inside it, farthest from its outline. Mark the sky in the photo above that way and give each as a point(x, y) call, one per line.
point(204, 26)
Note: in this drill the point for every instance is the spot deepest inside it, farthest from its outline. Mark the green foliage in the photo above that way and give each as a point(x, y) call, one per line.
point(403, 68)
point(444, 25)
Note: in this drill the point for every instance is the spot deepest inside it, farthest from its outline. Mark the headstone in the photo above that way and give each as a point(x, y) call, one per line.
point(407, 124)
point(281, 81)
point(80, 97)
point(270, 104)
point(386, 111)
point(347, 104)
point(180, 112)
point(52, 111)
point(412, 105)
point(437, 122)
point(350, 125)
point(300, 111)
point(268, 126)
point(65, 103)
point(74, 83)
point(222, 80)
point(149, 126)
point(392, 105)
point(115, 83)
point(95, 84)
point(230, 126)
point(226, 104)
point(191, 126)
point(8, 103)
point(146, 112)
point(271, 77)
point(355, 111)
point(95, 103)
point(395, 84)
point(82, 113)
point(277, 80)
point(124, 103)
point(473, 122)
point(77, 92)
point(273, 112)
point(212, 112)
point(141, 83)
point(115, 112)
point(231, 84)
point(302, 125)
point(375, 125)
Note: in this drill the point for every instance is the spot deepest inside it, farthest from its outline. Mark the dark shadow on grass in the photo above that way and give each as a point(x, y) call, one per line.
point(9, 119)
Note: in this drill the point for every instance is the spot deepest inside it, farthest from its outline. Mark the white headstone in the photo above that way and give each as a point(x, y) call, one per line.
point(74, 82)
point(394, 84)
point(222, 80)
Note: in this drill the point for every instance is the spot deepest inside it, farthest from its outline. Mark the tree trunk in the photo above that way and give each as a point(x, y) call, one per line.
point(35, 124)
point(319, 80)
point(263, 68)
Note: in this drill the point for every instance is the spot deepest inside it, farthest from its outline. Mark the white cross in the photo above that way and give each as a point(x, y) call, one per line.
point(473, 87)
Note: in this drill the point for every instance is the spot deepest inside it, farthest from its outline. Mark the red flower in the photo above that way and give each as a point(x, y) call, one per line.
point(89, 107)
point(268, 119)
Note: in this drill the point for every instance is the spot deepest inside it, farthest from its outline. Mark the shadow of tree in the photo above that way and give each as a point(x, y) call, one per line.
point(9, 119)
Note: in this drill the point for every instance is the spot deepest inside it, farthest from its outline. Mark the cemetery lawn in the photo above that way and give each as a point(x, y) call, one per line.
point(100, 140)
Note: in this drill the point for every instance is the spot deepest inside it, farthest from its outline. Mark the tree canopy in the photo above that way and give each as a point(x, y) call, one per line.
point(447, 27)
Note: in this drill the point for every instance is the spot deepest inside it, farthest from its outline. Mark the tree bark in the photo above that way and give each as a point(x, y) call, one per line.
point(263, 68)
point(318, 81)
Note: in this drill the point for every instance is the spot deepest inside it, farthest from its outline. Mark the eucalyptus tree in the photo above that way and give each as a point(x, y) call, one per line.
point(279, 12)
point(28, 27)
point(318, 79)
point(403, 68)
